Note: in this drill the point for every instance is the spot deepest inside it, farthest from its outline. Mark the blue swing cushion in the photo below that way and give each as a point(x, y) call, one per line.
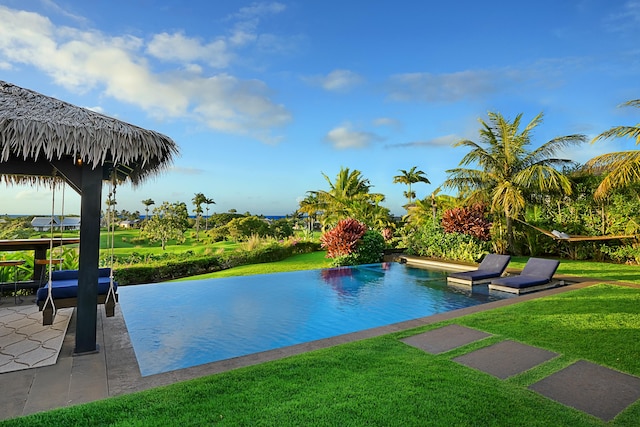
point(64, 284)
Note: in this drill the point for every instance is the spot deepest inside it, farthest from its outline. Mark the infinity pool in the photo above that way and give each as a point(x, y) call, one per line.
point(182, 324)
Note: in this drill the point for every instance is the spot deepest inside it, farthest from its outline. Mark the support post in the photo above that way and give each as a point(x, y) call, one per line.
point(87, 309)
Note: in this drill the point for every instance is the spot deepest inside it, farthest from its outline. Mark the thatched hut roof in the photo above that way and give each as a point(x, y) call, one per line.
point(35, 128)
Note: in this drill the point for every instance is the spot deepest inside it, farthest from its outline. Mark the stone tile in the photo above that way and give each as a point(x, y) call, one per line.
point(594, 389)
point(444, 339)
point(506, 358)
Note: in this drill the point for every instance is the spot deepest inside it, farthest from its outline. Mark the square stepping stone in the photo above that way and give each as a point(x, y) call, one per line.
point(444, 339)
point(594, 389)
point(505, 359)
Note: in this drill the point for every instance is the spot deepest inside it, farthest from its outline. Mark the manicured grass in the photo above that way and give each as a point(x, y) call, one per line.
point(382, 381)
point(309, 261)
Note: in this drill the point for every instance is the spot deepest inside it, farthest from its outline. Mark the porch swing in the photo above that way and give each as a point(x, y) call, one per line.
point(62, 285)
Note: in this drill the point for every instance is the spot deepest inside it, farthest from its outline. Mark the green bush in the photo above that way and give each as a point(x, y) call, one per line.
point(281, 228)
point(151, 269)
point(241, 229)
point(370, 248)
point(350, 243)
point(431, 241)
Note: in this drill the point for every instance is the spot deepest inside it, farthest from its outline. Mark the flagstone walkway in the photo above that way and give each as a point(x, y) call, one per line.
point(596, 390)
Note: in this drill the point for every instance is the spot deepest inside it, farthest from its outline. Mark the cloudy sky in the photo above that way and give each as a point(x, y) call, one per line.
point(264, 97)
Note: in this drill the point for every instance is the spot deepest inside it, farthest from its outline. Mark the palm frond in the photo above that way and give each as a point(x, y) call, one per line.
point(622, 169)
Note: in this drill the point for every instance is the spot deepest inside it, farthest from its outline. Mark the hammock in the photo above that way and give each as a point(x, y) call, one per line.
point(564, 237)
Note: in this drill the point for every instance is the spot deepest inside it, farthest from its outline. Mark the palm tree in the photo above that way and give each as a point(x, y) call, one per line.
point(508, 173)
point(198, 200)
point(310, 205)
point(346, 196)
point(207, 202)
point(147, 203)
point(622, 167)
point(410, 177)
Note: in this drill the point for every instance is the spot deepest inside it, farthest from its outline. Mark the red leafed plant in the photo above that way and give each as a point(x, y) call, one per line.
point(467, 220)
point(343, 238)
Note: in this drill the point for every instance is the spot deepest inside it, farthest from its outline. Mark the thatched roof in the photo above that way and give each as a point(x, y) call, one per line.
point(35, 128)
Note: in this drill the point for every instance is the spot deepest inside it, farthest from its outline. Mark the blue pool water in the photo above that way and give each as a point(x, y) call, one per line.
point(182, 324)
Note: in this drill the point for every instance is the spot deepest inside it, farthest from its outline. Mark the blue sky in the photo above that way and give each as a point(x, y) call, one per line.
point(264, 97)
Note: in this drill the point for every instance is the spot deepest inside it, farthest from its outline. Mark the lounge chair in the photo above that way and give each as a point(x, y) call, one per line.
point(536, 275)
point(491, 267)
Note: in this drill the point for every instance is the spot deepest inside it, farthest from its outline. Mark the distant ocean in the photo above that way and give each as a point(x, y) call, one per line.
point(272, 217)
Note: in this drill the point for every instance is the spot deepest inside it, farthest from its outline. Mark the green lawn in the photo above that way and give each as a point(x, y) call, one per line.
point(382, 381)
point(297, 262)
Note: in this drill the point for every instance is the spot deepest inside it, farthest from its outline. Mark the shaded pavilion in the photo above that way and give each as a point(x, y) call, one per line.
point(44, 139)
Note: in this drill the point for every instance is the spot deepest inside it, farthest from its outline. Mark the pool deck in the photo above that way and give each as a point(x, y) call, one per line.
point(114, 371)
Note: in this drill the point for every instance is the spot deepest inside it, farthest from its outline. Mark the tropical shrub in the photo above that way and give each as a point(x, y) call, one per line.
point(623, 254)
point(467, 220)
point(430, 240)
point(370, 249)
point(350, 243)
point(342, 239)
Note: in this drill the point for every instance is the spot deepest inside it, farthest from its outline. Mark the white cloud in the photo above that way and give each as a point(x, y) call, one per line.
point(627, 19)
point(87, 60)
point(336, 81)
point(441, 87)
point(180, 48)
point(344, 136)
point(441, 141)
point(387, 121)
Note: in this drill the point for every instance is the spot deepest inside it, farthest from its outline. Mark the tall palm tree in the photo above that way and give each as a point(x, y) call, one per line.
point(622, 168)
point(412, 176)
point(147, 203)
point(198, 200)
point(507, 171)
point(207, 201)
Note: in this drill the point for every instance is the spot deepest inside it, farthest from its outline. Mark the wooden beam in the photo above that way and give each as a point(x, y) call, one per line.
point(87, 310)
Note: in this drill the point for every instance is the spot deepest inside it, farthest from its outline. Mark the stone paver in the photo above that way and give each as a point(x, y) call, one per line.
point(506, 358)
point(443, 339)
point(594, 389)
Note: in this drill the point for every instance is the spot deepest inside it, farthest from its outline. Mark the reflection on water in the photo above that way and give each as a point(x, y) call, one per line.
point(177, 325)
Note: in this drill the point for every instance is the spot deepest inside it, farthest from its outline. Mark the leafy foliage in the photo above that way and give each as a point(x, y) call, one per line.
point(467, 220)
point(350, 243)
point(508, 171)
point(157, 268)
point(430, 240)
point(281, 228)
point(169, 222)
point(370, 248)
point(349, 197)
point(342, 239)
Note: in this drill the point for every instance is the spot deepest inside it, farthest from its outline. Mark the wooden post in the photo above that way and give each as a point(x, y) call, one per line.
point(87, 310)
